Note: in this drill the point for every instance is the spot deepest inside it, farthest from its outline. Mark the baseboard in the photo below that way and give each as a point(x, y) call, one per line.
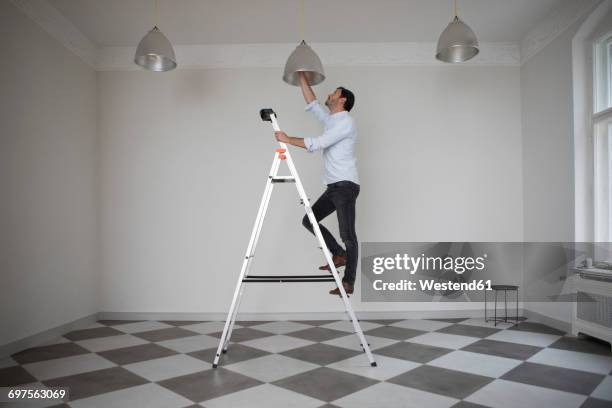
point(47, 335)
point(547, 320)
point(395, 314)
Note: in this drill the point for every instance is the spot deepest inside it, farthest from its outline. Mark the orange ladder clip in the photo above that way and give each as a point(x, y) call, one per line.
point(281, 151)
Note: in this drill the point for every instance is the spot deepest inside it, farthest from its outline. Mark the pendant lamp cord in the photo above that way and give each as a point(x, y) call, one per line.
point(456, 8)
point(156, 19)
point(302, 20)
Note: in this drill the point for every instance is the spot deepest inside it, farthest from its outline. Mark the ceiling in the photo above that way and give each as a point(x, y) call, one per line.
point(123, 22)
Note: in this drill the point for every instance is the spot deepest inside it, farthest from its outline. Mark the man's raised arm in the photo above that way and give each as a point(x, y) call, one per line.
point(320, 112)
point(309, 95)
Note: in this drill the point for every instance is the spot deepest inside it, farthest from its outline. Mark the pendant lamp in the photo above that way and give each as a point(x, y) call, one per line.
point(303, 59)
point(154, 52)
point(457, 42)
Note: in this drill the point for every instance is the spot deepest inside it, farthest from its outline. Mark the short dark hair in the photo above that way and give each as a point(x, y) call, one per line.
point(349, 96)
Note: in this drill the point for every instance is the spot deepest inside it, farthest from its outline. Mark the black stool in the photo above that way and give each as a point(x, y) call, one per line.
point(505, 288)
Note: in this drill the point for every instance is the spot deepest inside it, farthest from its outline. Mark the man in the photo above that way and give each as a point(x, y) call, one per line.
point(338, 145)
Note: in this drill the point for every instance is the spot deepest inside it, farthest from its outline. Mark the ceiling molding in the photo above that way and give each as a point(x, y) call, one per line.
point(332, 54)
point(59, 27)
point(554, 25)
point(254, 55)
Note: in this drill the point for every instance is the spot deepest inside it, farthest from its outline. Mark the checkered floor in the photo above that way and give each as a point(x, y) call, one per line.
point(421, 363)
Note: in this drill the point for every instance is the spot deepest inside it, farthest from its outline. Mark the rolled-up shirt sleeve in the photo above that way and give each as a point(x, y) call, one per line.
point(330, 137)
point(317, 110)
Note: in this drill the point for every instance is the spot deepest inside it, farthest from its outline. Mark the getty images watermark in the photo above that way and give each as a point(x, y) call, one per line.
point(412, 265)
point(463, 271)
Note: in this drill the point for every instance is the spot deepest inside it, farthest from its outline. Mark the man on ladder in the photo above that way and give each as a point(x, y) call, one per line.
point(338, 145)
point(339, 196)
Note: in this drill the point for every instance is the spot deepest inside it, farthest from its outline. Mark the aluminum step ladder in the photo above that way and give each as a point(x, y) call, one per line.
point(282, 154)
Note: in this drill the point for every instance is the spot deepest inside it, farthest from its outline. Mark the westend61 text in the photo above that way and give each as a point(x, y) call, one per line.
point(431, 284)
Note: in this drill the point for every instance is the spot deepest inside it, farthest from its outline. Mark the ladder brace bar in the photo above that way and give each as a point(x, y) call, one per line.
point(289, 278)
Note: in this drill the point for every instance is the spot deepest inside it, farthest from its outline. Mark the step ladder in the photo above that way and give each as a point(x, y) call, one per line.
point(282, 154)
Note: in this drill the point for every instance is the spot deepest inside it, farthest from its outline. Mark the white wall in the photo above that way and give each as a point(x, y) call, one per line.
point(184, 157)
point(548, 151)
point(47, 192)
point(548, 156)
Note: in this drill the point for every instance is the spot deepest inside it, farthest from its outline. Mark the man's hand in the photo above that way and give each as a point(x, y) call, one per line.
point(282, 137)
point(309, 95)
point(303, 77)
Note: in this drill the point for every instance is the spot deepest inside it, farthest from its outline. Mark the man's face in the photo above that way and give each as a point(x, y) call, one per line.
point(333, 99)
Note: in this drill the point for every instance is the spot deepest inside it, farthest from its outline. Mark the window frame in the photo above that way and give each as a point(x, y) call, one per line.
point(601, 116)
point(602, 72)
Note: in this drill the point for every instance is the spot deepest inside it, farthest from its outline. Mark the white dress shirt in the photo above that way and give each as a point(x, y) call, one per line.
point(337, 143)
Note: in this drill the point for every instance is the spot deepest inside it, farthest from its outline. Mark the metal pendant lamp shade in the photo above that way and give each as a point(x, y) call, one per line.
point(155, 53)
point(303, 59)
point(457, 43)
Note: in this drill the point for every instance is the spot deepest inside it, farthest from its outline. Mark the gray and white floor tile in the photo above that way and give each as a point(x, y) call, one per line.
point(278, 343)
point(354, 343)
point(271, 367)
point(595, 363)
point(190, 343)
point(460, 363)
point(110, 343)
point(509, 394)
point(167, 367)
point(394, 396)
point(147, 395)
point(476, 363)
point(421, 324)
point(264, 396)
point(138, 327)
point(451, 341)
point(347, 325)
point(386, 368)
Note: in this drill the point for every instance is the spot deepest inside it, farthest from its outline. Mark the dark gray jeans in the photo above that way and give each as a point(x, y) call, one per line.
point(339, 197)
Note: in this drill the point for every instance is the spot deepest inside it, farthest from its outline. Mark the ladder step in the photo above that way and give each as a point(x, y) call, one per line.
point(283, 179)
point(289, 278)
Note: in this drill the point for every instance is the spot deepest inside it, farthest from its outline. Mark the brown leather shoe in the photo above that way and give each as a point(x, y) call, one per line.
point(348, 288)
point(338, 262)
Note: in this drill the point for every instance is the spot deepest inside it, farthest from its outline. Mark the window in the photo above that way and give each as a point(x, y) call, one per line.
point(603, 74)
point(608, 61)
point(602, 138)
point(603, 180)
